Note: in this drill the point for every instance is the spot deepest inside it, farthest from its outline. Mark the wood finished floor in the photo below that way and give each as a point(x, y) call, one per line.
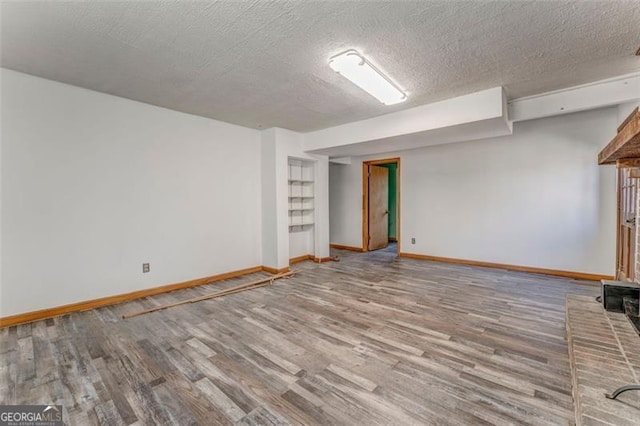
point(371, 339)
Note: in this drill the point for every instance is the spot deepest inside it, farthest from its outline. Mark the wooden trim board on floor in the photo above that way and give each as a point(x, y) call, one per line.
point(311, 257)
point(299, 259)
point(554, 272)
point(350, 248)
point(236, 289)
point(125, 297)
point(275, 270)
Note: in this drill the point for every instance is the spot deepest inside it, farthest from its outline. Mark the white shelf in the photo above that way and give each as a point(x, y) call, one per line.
point(301, 199)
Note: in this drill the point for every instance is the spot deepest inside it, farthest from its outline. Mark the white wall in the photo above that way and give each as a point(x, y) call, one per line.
point(345, 202)
point(280, 145)
point(269, 197)
point(95, 185)
point(536, 198)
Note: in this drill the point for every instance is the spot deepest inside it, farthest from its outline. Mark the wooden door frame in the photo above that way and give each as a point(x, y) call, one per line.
point(365, 199)
point(625, 254)
point(616, 274)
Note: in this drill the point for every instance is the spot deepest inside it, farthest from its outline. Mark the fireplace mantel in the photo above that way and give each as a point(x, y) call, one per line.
point(625, 146)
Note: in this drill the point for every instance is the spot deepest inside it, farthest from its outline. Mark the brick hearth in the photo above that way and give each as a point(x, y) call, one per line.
point(604, 351)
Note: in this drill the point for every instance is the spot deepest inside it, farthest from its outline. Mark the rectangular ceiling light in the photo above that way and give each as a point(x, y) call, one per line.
point(362, 73)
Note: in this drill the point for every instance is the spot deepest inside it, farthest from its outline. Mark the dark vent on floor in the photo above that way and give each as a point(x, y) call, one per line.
point(632, 311)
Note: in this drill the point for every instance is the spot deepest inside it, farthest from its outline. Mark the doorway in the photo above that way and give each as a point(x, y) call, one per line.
point(381, 204)
point(626, 239)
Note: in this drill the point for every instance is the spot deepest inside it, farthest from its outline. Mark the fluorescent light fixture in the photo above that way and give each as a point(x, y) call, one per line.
point(365, 75)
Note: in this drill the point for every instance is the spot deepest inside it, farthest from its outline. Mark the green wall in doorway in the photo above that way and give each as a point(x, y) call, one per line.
point(393, 198)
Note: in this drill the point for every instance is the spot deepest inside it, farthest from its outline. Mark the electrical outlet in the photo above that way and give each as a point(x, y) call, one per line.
point(413, 240)
point(146, 267)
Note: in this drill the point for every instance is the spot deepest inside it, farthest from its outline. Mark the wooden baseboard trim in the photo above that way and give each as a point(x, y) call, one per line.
point(276, 271)
point(119, 298)
point(299, 259)
point(554, 272)
point(393, 239)
point(304, 257)
point(350, 248)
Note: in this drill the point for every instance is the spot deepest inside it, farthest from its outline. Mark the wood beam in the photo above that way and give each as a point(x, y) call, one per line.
point(626, 120)
point(628, 163)
point(626, 144)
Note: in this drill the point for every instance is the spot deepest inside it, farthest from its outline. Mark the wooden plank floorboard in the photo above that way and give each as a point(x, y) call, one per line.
point(372, 339)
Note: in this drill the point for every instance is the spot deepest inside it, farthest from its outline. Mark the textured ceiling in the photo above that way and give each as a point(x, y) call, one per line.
point(264, 63)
